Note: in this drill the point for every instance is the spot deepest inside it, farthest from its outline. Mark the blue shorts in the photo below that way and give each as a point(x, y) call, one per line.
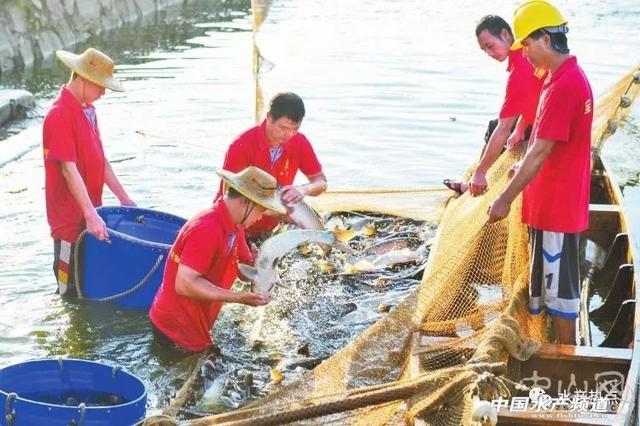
point(555, 274)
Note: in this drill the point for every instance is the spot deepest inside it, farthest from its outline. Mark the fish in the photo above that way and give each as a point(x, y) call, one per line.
point(263, 273)
point(215, 384)
point(304, 216)
point(383, 261)
point(391, 244)
point(292, 363)
point(276, 376)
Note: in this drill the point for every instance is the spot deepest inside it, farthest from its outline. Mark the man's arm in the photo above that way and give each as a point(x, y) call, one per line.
point(190, 283)
point(528, 168)
point(115, 186)
point(518, 133)
point(95, 224)
point(478, 182)
point(292, 194)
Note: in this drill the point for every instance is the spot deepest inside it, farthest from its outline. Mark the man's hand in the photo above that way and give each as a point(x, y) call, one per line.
point(254, 299)
point(291, 194)
point(514, 140)
point(477, 184)
point(96, 226)
point(126, 201)
point(498, 210)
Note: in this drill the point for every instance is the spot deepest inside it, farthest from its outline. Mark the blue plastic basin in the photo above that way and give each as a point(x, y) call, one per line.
point(128, 270)
point(61, 392)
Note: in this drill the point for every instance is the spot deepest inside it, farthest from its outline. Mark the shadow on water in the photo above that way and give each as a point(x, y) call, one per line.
point(164, 31)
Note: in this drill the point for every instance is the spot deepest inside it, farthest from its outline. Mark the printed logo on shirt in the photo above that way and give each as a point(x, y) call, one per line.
point(587, 107)
point(173, 256)
point(46, 152)
point(539, 73)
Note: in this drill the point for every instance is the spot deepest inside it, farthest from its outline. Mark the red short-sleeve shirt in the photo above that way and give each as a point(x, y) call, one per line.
point(251, 148)
point(523, 88)
point(210, 244)
point(557, 198)
point(68, 136)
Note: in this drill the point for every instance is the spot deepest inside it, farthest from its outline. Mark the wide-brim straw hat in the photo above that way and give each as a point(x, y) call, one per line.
point(92, 65)
point(256, 185)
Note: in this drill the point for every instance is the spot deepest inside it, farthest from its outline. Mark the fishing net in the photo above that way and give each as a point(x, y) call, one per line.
point(445, 347)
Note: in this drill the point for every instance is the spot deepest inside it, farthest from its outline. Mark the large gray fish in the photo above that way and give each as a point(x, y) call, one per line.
point(263, 273)
point(390, 258)
point(215, 383)
point(305, 217)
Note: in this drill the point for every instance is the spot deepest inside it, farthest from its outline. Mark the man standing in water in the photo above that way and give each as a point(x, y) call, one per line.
point(75, 165)
point(277, 147)
point(518, 108)
point(555, 172)
point(203, 262)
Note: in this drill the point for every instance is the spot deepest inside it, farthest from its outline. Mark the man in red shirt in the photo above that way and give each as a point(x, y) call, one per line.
point(277, 147)
point(75, 165)
point(520, 101)
point(555, 172)
point(203, 262)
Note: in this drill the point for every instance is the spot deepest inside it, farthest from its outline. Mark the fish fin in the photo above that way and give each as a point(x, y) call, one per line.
point(343, 235)
point(248, 271)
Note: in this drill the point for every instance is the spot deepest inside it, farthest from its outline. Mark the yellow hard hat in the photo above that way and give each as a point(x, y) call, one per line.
point(533, 15)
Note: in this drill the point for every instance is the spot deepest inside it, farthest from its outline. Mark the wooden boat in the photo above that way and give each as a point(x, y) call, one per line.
point(612, 365)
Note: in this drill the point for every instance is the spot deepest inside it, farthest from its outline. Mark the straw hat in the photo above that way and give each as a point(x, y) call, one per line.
point(256, 185)
point(93, 65)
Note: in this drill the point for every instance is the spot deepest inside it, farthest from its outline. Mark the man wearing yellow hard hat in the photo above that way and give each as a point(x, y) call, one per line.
point(76, 168)
point(555, 172)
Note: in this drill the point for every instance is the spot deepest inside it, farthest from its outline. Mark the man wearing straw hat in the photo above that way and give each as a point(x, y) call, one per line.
point(203, 262)
point(555, 172)
point(277, 147)
point(76, 168)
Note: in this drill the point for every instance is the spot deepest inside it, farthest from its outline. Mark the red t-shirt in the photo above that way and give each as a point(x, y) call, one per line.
point(557, 198)
point(210, 244)
point(251, 148)
point(68, 136)
point(523, 88)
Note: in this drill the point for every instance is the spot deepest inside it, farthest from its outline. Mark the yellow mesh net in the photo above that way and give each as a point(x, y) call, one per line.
point(445, 346)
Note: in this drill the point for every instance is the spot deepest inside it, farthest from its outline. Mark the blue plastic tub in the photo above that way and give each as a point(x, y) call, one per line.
point(69, 391)
point(128, 270)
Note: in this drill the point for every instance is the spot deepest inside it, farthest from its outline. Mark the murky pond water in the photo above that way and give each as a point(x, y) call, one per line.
point(397, 95)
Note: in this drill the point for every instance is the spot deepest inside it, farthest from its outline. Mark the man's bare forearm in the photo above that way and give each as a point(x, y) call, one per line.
point(316, 186)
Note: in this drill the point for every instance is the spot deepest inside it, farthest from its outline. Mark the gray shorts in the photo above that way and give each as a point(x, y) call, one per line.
point(555, 274)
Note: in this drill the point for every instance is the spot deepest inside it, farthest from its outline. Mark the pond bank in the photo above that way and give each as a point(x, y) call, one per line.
point(32, 30)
